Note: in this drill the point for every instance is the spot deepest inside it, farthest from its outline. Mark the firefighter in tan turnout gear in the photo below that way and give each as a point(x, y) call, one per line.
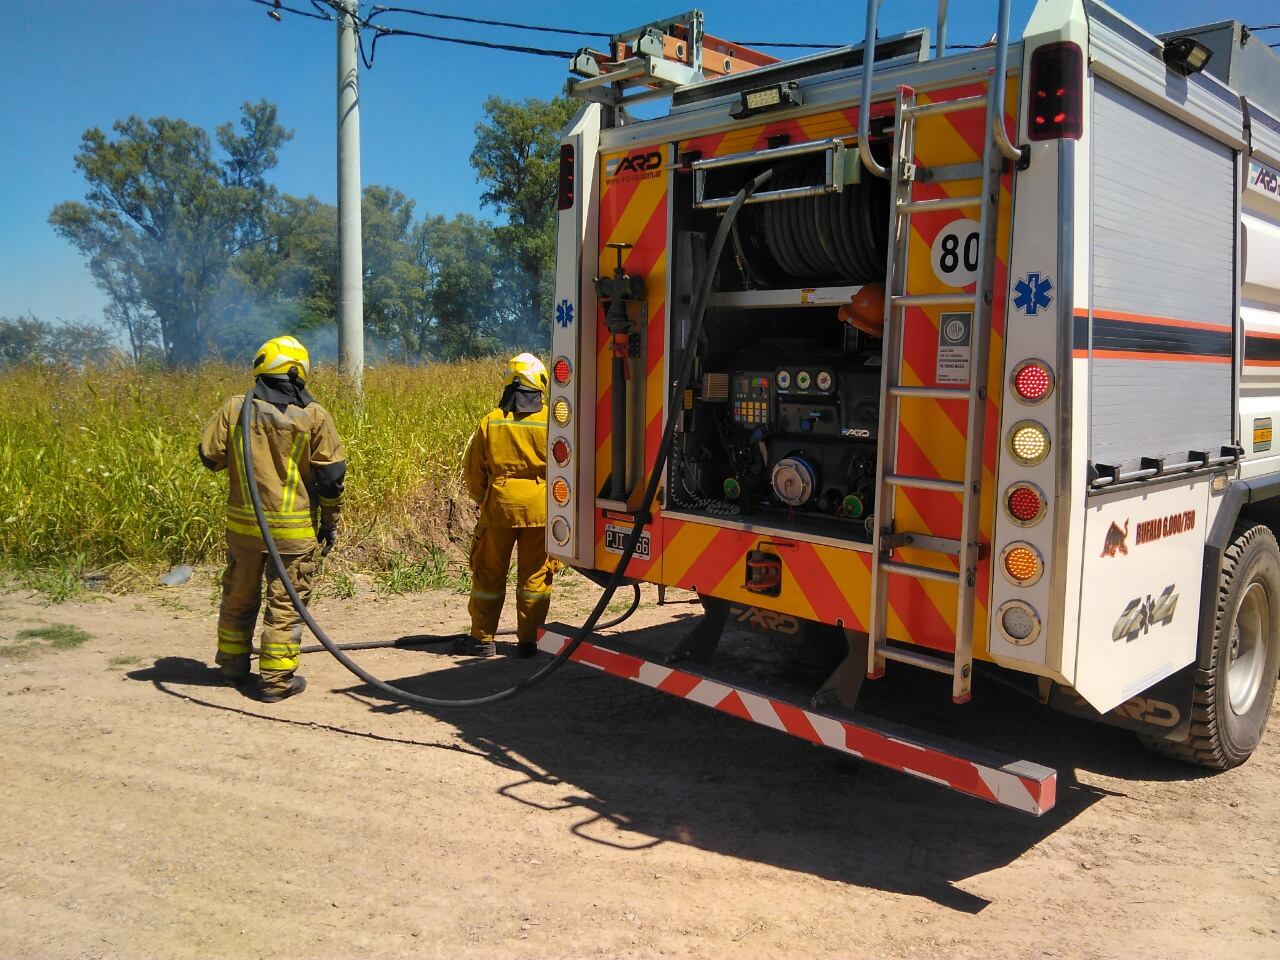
point(300, 467)
point(505, 468)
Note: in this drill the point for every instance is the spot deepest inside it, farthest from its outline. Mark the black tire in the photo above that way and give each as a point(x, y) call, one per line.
point(1222, 736)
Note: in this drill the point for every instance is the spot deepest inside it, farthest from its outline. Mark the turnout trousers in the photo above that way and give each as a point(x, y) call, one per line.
point(490, 560)
point(281, 625)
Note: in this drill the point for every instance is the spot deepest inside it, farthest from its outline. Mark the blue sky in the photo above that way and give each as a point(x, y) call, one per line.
point(74, 64)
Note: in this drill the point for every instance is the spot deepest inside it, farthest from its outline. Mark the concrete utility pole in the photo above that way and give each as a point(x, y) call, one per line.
point(350, 262)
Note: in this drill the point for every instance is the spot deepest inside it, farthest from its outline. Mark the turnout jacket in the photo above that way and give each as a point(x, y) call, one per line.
point(505, 468)
point(300, 467)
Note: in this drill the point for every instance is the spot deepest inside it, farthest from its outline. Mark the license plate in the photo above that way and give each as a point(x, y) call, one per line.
point(615, 538)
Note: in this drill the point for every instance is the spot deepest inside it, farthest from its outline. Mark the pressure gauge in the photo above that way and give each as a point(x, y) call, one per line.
point(803, 379)
point(824, 380)
point(784, 379)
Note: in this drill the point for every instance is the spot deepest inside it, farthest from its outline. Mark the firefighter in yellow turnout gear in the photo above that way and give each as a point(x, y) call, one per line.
point(505, 468)
point(300, 467)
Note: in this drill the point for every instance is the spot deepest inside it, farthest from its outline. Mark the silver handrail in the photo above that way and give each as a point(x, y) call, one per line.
point(864, 105)
point(995, 102)
point(995, 105)
point(833, 172)
point(941, 39)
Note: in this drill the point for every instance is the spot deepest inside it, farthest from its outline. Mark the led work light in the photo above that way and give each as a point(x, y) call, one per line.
point(1185, 54)
point(776, 96)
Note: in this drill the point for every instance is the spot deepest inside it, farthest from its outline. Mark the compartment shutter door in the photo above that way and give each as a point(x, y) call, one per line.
point(1163, 284)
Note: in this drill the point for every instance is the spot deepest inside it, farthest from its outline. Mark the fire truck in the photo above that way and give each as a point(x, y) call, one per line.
point(984, 379)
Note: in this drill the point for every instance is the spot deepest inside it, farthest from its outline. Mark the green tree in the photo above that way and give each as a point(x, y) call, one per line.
point(28, 340)
point(467, 294)
point(516, 157)
point(169, 217)
point(298, 264)
point(394, 282)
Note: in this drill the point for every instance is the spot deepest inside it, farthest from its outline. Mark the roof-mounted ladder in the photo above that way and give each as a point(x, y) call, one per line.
point(655, 59)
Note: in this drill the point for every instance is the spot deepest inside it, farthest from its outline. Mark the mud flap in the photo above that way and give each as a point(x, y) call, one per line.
point(1163, 710)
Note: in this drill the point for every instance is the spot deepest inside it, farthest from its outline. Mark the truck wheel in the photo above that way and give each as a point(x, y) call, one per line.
point(1233, 696)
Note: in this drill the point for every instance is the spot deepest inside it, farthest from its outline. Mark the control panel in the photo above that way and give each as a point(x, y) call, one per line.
point(752, 398)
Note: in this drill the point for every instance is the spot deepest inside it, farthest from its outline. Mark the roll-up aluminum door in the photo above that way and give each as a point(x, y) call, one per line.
point(1160, 335)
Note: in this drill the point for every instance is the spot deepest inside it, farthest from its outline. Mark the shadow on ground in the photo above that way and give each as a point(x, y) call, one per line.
point(644, 768)
point(659, 769)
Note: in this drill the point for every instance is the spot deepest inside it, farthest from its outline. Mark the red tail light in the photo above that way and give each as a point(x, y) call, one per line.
point(1032, 381)
point(566, 193)
point(560, 451)
point(1055, 110)
point(1025, 503)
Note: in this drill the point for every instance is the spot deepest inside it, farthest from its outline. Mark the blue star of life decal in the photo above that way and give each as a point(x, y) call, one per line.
point(564, 313)
point(1033, 294)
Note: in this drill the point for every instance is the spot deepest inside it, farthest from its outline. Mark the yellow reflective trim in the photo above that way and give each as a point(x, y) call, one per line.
point(281, 649)
point(277, 533)
point(480, 595)
point(234, 647)
point(297, 518)
point(293, 475)
point(277, 663)
point(234, 453)
point(534, 594)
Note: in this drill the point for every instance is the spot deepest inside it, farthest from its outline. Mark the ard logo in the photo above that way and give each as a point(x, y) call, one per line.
point(636, 163)
point(766, 621)
point(1115, 542)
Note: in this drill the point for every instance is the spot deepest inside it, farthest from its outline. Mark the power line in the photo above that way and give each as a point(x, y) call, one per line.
point(379, 10)
point(380, 31)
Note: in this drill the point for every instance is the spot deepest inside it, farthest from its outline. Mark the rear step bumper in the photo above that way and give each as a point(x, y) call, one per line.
point(1017, 784)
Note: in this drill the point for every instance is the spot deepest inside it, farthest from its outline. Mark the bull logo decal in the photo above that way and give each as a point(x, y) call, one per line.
point(1115, 539)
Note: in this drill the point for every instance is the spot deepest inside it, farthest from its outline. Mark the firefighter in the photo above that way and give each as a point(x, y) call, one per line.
point(505, 467)
point(300, 467)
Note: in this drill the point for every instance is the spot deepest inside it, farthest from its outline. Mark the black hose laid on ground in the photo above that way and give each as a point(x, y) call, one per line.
point(427, 639)
point(674, 404)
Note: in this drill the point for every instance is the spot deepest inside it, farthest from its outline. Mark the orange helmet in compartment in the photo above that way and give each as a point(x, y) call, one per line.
point(866, 310)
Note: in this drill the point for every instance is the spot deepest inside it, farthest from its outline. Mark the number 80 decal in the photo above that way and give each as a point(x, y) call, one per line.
point(955, 253)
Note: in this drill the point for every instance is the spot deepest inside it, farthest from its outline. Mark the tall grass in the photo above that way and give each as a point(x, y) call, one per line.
point(99, 467)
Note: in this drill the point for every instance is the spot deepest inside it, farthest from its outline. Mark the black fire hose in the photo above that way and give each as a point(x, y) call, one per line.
point(674, 403)
point(426, 639)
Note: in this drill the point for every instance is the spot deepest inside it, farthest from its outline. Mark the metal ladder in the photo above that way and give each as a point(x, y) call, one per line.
point(902, 174)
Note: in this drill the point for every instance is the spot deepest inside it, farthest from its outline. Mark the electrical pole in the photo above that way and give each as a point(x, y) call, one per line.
point(350, 263)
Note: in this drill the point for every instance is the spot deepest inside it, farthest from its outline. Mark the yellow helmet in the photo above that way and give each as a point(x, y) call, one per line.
point(280, 357)
point(526, 370)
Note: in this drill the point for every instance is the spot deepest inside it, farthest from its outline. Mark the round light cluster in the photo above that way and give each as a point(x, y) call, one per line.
point(560, 530)
point(560, 450)
point(1019, 623)
point(561, 411)
point(1022, 564)
point(1025, 503)
point(1028, 442)
point(562, 371)
point(560, 491)
point(1032, 381)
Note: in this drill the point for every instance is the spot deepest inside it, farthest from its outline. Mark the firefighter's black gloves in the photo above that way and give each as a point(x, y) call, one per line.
point(328, 538)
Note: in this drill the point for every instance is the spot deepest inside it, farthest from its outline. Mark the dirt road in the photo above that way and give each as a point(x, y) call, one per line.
point(151, 812)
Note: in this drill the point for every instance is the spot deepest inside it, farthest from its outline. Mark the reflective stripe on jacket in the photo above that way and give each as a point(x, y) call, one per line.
point(505, 468)
point(299, 464)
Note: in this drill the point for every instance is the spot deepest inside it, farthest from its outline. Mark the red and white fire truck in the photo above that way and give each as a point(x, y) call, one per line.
point(986, 378)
